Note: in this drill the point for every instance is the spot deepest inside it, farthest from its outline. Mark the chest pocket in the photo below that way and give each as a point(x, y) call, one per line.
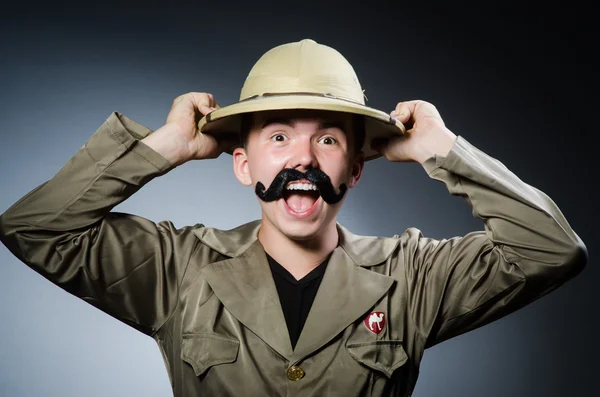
point(205, 350)
point(384, 356)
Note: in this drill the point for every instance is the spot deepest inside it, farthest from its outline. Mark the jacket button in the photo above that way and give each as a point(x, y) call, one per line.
point(295, 373)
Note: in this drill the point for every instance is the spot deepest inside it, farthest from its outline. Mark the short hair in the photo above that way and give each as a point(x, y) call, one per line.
point(358, 127)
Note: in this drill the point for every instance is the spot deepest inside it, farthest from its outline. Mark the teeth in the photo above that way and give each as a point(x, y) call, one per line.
point(301, 186)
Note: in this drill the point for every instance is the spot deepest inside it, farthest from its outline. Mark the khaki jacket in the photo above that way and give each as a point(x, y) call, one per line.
point(208, 298)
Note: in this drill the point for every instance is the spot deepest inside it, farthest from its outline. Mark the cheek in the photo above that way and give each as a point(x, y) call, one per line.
point(337, 169)
point(264, 167)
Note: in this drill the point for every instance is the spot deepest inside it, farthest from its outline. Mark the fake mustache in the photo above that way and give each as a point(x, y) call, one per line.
point(287, 175)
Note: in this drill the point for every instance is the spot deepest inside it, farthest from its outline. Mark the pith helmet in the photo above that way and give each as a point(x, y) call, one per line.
point(302, 75)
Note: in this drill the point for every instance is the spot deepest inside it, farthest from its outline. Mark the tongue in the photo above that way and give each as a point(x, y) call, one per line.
point(300, 202)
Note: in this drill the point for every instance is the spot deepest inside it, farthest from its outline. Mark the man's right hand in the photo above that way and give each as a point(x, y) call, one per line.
point(179, 139)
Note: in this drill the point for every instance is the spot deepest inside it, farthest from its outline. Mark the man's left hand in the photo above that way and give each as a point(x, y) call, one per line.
point(426, 134)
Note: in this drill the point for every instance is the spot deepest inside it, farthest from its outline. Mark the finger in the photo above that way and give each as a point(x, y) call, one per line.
point(212, 102)
point(205, 109)
point(207, 103)
point(199, 98)
point(404, 110)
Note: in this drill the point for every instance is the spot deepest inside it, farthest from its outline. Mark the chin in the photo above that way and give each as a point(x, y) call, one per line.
point(301, 231)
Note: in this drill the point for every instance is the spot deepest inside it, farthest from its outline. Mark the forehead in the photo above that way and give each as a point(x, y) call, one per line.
point(291, 115)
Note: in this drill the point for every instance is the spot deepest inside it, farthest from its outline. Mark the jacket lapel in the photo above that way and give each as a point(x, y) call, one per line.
point(245, 286)
point(346, 293)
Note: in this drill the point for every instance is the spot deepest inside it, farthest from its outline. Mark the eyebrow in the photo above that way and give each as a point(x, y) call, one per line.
point(288, 122)
point(283, 121)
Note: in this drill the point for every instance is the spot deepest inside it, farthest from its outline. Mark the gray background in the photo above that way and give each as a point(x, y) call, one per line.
point(515, 80)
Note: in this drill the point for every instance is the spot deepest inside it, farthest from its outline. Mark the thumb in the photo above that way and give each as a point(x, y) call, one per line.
point(204, 109)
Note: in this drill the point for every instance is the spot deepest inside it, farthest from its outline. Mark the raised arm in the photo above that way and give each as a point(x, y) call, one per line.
point(123, 264)
point(527, 249)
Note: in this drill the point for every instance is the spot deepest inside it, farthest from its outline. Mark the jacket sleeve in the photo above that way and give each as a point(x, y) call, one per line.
point(527, 249)
point(125, 265)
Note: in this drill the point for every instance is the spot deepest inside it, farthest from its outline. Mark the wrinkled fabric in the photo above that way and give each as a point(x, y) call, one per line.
point(208, 299)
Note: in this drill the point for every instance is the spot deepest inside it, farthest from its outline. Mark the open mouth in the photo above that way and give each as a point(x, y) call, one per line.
point(300, 196)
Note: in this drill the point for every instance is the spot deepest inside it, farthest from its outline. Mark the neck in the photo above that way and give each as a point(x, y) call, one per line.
point(298, 257)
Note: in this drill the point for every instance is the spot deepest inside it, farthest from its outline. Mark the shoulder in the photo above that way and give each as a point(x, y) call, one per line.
point(368, 250)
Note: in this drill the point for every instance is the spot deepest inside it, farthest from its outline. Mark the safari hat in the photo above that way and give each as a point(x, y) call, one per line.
point(302, 75)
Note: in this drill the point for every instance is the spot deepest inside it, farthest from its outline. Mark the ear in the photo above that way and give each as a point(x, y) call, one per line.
point(240, 166)
point(357, 167)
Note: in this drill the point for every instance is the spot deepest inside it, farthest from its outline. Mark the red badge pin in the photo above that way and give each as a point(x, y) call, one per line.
point(375, 322)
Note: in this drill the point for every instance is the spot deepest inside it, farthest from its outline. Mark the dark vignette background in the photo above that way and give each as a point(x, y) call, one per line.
point(517, 80)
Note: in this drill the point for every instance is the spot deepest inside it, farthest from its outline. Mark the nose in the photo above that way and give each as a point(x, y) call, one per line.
point(304, 157)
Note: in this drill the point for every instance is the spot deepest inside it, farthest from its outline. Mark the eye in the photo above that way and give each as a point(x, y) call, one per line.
point(278, 138)
point(328, 140)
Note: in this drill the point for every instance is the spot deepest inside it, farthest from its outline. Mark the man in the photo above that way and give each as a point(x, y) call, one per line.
point(292, 304)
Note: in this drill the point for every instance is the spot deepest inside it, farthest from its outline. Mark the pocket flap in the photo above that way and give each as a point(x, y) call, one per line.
point(202, 351)
point(384, 355)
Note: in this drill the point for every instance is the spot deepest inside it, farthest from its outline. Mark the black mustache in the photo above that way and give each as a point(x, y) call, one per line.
point(314, 175)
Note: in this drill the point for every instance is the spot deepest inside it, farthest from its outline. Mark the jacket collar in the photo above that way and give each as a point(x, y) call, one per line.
point(364, 251)
point(347, 292)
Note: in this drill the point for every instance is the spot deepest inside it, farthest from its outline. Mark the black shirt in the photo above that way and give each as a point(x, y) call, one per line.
point(296, 296)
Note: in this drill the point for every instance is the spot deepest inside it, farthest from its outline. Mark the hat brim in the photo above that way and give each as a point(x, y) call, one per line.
point(225, 123)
